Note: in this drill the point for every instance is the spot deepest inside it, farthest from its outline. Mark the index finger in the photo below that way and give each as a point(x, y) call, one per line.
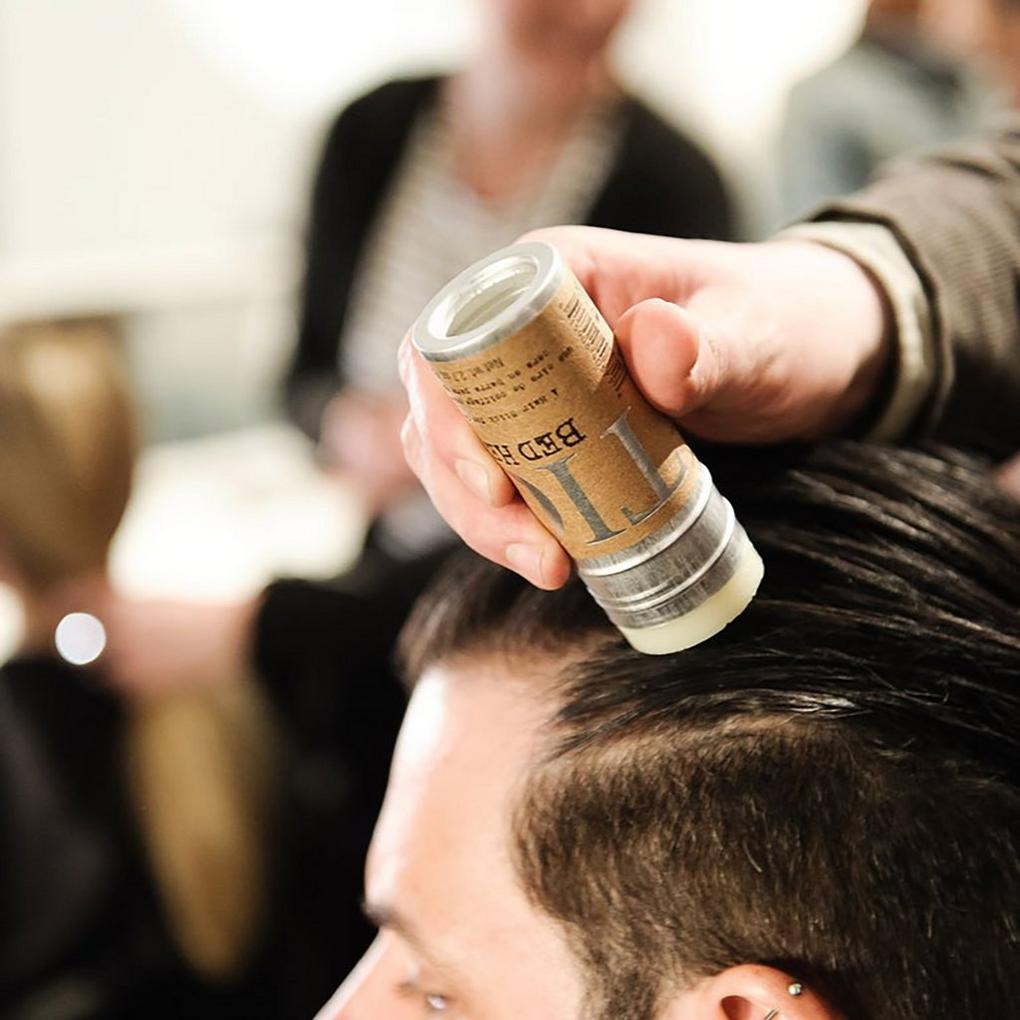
point(468, 488)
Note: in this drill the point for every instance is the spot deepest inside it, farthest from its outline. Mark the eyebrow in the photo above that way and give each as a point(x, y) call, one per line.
point(383, 915)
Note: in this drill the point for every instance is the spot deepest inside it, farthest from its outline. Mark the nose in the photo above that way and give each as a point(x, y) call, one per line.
point(369, 992)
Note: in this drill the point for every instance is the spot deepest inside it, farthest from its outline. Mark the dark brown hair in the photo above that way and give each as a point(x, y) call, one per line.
point(829, 786)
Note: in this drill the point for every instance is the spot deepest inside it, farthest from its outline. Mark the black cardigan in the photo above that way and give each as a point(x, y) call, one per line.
point(660, 183)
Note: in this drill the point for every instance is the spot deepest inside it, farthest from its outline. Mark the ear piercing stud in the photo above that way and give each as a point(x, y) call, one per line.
point(795, 989)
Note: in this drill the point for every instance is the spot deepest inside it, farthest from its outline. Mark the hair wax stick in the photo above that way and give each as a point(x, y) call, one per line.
point(533, 366)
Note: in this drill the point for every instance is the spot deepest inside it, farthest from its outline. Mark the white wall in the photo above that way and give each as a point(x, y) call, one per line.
point(130, 123)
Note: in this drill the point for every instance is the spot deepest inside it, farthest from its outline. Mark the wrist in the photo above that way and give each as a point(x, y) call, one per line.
point(836, 326)
point(889, 405)
point(873, 374)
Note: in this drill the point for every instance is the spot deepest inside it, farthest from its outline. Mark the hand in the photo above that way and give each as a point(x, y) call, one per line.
point(157, 646)
point(361, 438)
point(741, 343)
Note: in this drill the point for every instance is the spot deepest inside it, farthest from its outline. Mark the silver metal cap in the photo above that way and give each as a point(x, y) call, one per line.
point(674, 570)
point(489, 301)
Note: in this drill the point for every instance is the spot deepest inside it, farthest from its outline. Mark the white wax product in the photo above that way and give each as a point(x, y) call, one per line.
point(708, 618)
point(80, 638)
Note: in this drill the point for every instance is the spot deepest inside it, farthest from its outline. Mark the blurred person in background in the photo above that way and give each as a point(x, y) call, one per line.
point(420, 178)
point(987, 31)
point(907, 84)
point(134, 867)
point(1007, 38)
point(996, 39)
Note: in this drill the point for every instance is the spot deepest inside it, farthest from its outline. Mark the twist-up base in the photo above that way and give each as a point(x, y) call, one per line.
point(707, 619)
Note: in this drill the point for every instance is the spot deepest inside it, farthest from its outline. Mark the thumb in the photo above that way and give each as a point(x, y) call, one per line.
point(670, 356)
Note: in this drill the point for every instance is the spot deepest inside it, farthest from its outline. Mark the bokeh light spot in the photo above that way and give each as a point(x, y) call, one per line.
point(80, 638)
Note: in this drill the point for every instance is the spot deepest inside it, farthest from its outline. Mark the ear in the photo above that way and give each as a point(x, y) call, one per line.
point(750, 992)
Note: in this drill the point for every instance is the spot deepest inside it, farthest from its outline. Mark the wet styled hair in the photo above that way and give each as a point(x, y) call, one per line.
point(829, 786)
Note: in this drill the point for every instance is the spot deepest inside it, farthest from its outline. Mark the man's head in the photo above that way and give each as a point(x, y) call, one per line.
point(824, 795)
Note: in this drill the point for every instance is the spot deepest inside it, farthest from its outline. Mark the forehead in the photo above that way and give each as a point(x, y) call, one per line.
point(467, 737)
point(441, 854)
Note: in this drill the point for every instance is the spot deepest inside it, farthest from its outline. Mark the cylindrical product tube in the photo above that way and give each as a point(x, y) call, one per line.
point(521, 348)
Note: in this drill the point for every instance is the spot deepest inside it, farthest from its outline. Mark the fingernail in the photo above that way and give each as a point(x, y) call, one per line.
point(475, 477)
point(526, 560)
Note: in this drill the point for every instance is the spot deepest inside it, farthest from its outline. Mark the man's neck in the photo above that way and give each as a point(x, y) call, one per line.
point(510, 117)
point(531, 91)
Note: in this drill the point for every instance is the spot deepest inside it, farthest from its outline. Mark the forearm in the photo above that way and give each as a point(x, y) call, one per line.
point(956, 218)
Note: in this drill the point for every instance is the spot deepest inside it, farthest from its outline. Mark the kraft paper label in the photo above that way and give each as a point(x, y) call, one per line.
point(556, 408)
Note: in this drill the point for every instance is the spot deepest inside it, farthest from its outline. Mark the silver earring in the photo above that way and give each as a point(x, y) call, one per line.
point(795, 988)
